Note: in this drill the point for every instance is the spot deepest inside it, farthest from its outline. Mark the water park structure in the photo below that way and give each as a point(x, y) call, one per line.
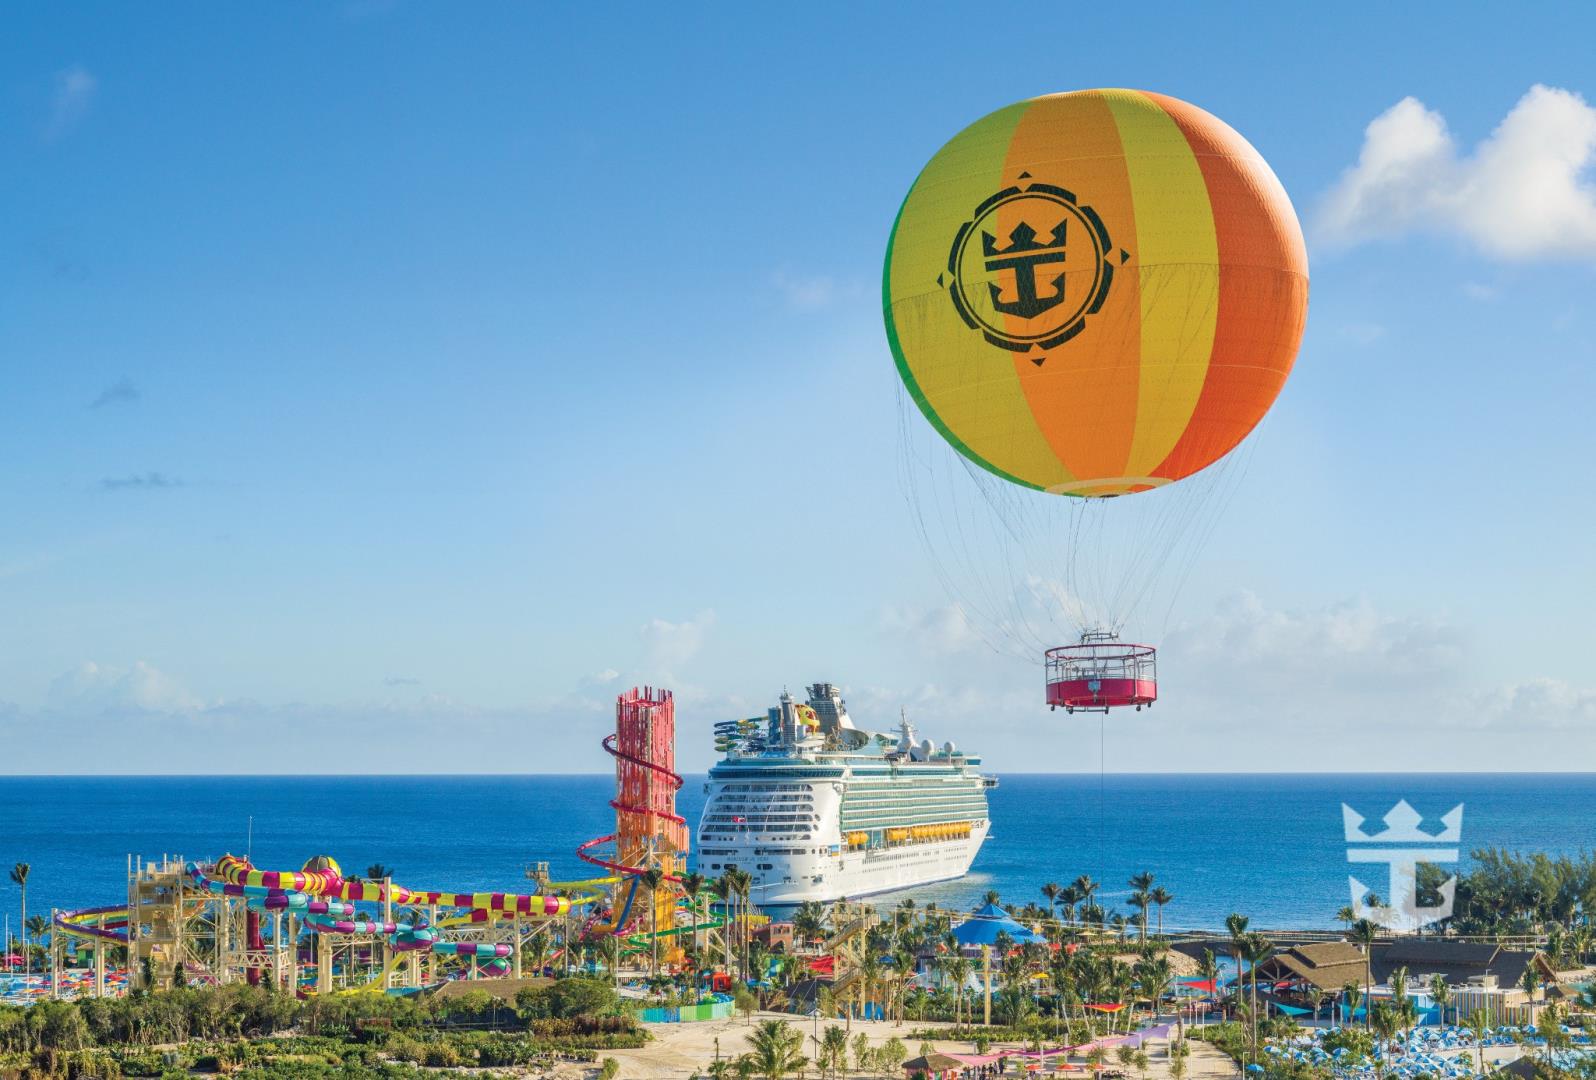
point(318, 930)
point(650, 837)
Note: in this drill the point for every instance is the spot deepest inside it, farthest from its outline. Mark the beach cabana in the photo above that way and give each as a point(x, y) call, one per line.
point(933, 1065)
point(1308, 976)
point(984, 926)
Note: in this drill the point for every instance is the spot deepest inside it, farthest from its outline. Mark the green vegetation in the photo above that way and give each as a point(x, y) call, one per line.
point(255, 1032)
point(1505, 893)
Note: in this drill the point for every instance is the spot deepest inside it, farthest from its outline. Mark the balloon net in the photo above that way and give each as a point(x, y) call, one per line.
point(1029, 570)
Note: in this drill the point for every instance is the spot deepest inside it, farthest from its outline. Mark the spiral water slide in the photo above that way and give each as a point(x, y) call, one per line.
point(624, 809)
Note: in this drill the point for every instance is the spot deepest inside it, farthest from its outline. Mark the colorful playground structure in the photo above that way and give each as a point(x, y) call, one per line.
point(315, 930)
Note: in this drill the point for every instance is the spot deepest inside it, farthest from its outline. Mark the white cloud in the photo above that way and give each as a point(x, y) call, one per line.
point(1537, 703)
point(667, 645)
point(75, 88)
point(93, 688)
point(940, 631)
point(1349, 650)
point(1526, 191)
point(1246, 686)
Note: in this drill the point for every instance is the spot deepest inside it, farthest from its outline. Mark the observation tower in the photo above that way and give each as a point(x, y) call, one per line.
point(1101, 672)
point(649, 833)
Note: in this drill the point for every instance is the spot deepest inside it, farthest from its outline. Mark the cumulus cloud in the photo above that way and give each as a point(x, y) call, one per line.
point(148, 481)
point(94, 688)
point(1525, 191)
point(667, 645)
point(159, 725)
point(942, 631)
point(75, 88)
point(1349, 649)
point(121, 392)
point(1540, 702)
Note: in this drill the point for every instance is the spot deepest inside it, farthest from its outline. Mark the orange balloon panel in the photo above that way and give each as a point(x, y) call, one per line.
point(1096, 293)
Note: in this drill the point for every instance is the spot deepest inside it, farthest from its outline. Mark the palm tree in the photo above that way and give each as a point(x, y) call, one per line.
point(19, 877)
point(1051, 891)
point(1479, 1024)
point(1351, 998)
point(651, 879)
point(906, 911)
point(1255, 949)
point(1385, 1021)
point(1141, 900)
point(723, 891)
point(1141, 894)
point(1401, 1002)
point(809, 921)
point(1160, 896)
point(1085, 887)
point(39, 926)
point(1364, 933)
point(1153, 977)
point(834, 1050)
point(1208, 968)
point(742, 884)
point(1236, 927)
point(1069, 896)
point(1348, 916)
point(378, 872)
point(958, 969)
point(692, 884)
point(1440, 993)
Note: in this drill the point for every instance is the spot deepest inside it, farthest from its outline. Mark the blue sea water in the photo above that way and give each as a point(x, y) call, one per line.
point(1271, 847)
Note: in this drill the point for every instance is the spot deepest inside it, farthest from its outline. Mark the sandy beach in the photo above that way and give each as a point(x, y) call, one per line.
point(678, 1050)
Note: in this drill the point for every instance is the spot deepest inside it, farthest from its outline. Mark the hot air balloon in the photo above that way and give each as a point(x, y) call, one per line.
point(1091, 295)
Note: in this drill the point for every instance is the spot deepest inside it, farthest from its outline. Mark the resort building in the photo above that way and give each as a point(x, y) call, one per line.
point(1308, 980)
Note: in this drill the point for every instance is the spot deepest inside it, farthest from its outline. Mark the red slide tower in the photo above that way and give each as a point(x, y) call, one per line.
point(648, 831)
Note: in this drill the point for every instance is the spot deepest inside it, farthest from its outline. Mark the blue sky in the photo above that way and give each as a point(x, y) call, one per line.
point(383, 385)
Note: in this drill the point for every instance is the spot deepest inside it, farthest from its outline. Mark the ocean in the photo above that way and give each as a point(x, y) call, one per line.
point(1270, 847)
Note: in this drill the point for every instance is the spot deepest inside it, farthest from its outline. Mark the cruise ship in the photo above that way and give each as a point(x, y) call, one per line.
point(814, 808)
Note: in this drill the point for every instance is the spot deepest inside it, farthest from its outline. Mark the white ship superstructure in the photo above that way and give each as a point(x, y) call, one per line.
point(814, 808)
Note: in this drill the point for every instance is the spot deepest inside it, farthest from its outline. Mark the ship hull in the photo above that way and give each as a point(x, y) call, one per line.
point(860, 874)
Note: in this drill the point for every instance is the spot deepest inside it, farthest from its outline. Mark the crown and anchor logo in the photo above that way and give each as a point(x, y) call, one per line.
point(1414, 846)
point(1035, 288)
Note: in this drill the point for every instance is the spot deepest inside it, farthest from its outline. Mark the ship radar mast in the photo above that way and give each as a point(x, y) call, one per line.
point(1100, 673)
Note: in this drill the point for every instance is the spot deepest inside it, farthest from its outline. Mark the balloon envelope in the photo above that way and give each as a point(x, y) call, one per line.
point(1095, 293)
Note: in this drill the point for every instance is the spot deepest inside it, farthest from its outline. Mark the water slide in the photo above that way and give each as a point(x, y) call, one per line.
point(584, 851)
point(90, 924)
point(621, 923)
point(325, 900)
